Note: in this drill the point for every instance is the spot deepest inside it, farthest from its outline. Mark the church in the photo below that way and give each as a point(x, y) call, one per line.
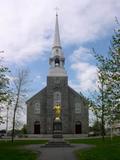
point(74, 109)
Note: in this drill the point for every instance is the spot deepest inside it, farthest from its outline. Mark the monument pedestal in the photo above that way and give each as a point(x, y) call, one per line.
point(57, 140)
point(57, 129)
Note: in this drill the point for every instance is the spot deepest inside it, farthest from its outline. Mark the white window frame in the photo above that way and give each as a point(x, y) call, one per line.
point(57, 97)
point(77, 107)
point(37, 107)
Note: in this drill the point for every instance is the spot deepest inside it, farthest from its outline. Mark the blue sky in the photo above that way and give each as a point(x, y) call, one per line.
point(27, 30)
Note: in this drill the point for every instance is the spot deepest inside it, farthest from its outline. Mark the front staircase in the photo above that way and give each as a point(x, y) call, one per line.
point(57, 142)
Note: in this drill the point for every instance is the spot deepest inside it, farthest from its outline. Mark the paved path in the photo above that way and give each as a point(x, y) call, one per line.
point(59, 153)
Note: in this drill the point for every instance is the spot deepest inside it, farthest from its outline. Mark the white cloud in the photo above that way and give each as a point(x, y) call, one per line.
point(81, 54)
point(74, 85)
point(88, 20)
point(86, 72)
point(38, 78)
point(26, 27)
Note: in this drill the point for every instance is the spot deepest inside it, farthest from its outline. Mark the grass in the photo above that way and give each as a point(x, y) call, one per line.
point(15, 151)
point(103, 151)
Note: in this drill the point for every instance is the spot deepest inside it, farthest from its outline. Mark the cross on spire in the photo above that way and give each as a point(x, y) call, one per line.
point(1, 51)
point(57, 9)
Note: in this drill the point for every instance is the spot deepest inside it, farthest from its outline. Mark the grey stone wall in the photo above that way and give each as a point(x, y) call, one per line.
point(32, 116)
point(69, 98)
point(57, 84)
point(82, 117)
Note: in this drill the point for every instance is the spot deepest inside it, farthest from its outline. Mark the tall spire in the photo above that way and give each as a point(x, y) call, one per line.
point(57, 59)
point(56, 42)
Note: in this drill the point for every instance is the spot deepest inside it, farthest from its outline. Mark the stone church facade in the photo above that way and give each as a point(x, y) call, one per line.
point(74, 110)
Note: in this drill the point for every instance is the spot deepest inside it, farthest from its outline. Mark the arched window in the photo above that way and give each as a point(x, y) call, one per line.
point(77, 107)
point(37, 107)
point(57, 97)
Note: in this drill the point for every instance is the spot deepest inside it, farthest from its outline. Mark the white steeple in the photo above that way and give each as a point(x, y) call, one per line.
point(56, 42)
point(57, 59)
point(56, 48)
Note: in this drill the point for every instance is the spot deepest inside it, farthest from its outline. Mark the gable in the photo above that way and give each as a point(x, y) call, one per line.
point(43, 91)
point(77, 95)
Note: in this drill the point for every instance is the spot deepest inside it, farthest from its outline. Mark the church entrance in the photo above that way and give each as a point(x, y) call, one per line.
point(78, 128)
point(37, 127)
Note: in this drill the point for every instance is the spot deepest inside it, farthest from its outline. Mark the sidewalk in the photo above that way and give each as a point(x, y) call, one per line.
point(65, 153)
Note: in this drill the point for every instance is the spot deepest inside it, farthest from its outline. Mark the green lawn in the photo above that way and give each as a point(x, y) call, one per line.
point(103, 151)
point(9, 151)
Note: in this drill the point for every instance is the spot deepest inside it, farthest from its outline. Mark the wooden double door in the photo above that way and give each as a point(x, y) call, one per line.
point(37, 127)
point(78, 128)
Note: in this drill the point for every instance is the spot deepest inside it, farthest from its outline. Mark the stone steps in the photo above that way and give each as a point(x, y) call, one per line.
point(57, 143)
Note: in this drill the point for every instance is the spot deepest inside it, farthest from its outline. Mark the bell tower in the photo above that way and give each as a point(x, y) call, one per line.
point(57, 84)
point(57, 59)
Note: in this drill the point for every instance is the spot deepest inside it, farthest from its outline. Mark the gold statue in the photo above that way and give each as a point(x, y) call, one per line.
point(57, 111)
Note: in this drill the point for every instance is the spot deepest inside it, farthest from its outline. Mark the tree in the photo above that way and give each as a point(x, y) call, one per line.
point(109, 83)
point(4, 88)
point(102, 95)
point(113, 78)
point(96, 127)
point(113, 73)
point(24, 129)
point(19, 81)
point(98, 104)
